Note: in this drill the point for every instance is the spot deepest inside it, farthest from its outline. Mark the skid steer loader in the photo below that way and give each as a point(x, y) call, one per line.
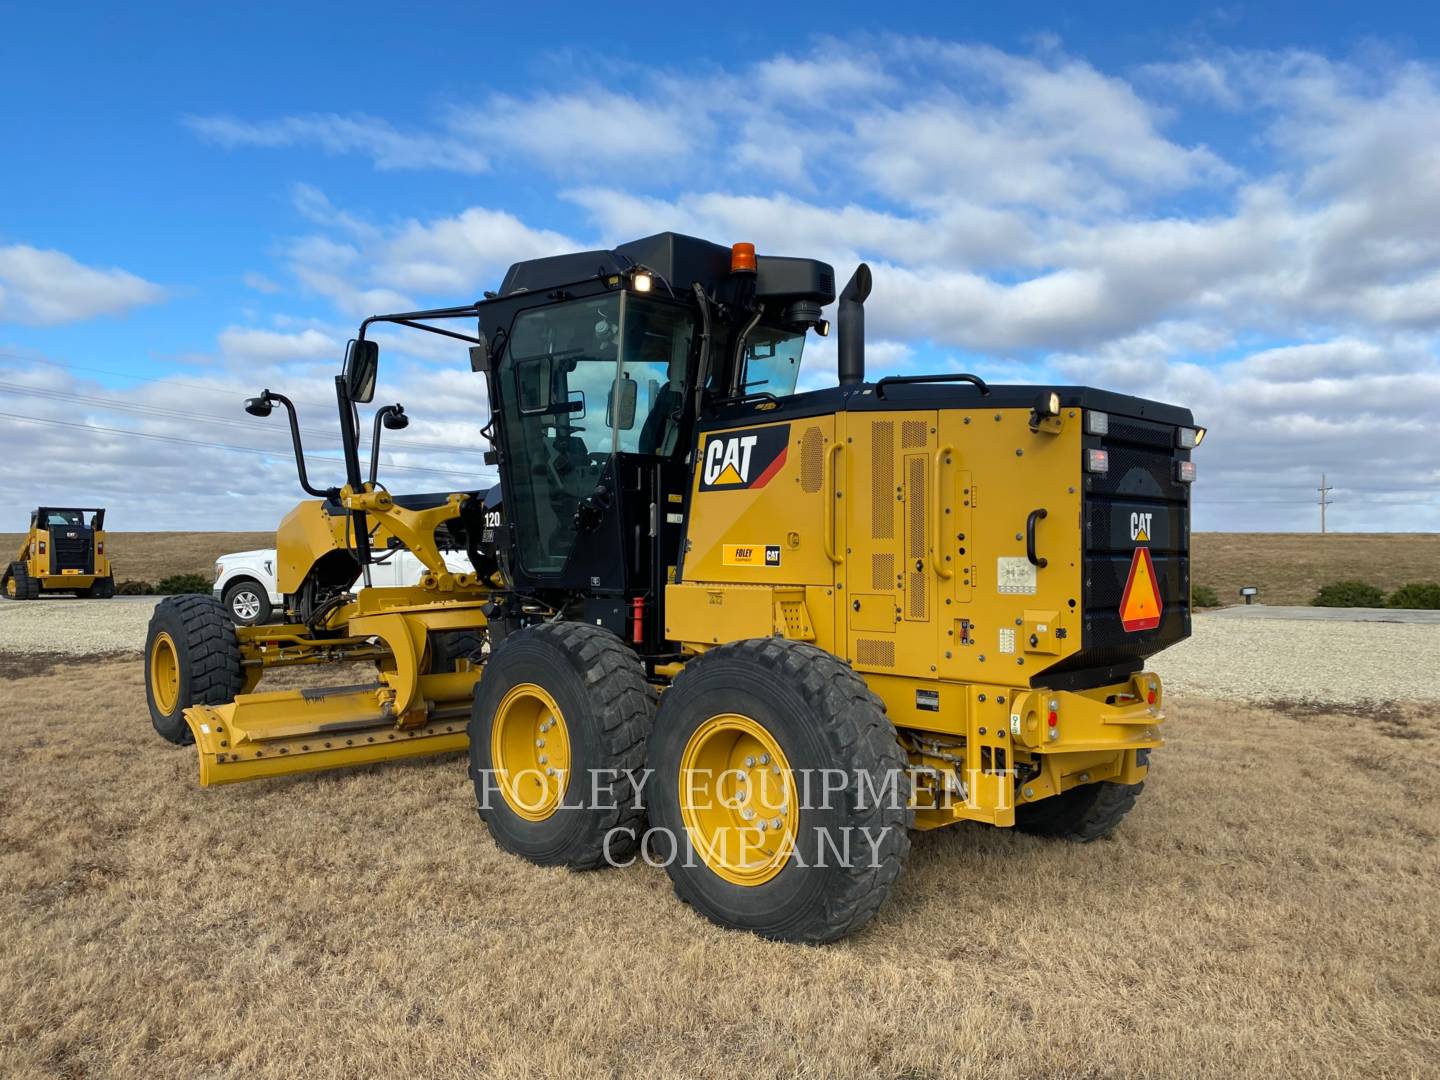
point(785, 627)
point(64, 551)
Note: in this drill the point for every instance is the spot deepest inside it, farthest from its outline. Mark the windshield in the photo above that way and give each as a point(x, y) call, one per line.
point(772, 361)
point(582, 380)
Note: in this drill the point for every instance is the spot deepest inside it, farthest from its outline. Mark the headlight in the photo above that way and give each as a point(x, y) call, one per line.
point(219, 569)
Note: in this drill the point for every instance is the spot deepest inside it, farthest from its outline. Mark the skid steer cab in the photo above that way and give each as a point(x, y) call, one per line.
point(757, 633)
point(63, 552)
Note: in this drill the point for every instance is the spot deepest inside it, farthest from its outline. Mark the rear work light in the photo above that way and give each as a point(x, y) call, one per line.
point(1185, 472)
point(1097, 423)
point(1097, 461)
point(1188, 438)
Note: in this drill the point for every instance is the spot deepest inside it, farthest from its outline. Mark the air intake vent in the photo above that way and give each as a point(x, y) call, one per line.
point(812, 460)
point(882, 480)
point(882, 572)
point(870, 652)
point(912, 434)
point(917, 526)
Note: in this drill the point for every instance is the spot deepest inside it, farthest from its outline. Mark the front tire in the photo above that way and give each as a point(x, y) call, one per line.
point(1082, 814)
point(754, 732)
point(191, 658)
point(247, 603)
point(557, 745)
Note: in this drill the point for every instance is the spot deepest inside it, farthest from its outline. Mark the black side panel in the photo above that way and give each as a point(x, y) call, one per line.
point(1138, 504)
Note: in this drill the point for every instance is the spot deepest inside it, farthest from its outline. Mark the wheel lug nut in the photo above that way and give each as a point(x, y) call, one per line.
point(543, 759)
point(747, 813)
point(750, 762)
point(764, 825)
point(776, 823)
point(549, 772)
point(764, 759)
point(539, 742)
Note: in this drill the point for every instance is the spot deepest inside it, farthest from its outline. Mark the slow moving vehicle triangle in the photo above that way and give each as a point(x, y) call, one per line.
point(1140, 606)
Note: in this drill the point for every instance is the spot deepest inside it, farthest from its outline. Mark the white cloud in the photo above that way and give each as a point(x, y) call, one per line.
point(260, 283)
point(269, 346)
point(45, 288)
point(339, 135)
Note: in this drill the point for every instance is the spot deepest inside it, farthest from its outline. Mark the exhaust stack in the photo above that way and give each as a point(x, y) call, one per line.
point(850, 320)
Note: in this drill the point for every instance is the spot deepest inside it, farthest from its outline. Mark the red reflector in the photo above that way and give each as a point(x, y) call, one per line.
point(1054, 718)
point(1151, 699)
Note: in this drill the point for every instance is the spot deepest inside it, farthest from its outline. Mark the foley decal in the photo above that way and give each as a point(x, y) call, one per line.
point(747, 458)
point(750, 555)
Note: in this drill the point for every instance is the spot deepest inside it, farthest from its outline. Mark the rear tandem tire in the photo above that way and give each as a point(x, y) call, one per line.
point(571, 696)
point(1082, 814)
point(192, 657)
point(449, 648)
point(102, 589)
point(780, 706)
point(19, 585)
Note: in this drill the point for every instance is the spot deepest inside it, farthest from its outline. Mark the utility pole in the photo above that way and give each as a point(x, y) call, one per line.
point(1324, 491)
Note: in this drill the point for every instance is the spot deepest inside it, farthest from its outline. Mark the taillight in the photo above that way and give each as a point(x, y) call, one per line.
point(42, 547)
point(1097, 461)
point(1185, 472)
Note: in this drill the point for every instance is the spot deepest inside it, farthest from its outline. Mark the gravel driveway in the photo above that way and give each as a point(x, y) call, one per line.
point(1248, 659)
point(71, 625)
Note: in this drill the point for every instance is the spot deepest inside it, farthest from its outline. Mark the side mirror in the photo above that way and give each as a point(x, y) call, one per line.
point(620, 409)
point(480, 355)
point(362, 361)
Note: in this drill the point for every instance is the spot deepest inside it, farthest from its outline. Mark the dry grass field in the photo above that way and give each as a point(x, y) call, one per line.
point(1287, 567)
point(1269, 909)
point(150, 556)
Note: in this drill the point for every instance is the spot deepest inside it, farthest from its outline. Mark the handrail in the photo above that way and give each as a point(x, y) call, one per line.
point(959, 376)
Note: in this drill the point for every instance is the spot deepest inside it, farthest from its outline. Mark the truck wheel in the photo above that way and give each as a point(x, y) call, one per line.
point(781, 791)
point(19, 585)
point(102, 589)
point(557, 745)
point(191, 658)
point(247, 602)
point(1081, 814)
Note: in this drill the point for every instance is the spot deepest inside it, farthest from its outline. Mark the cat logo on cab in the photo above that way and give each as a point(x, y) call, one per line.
point(745, 459)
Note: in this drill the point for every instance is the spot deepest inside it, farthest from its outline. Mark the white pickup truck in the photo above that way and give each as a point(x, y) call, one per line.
point(245, 580)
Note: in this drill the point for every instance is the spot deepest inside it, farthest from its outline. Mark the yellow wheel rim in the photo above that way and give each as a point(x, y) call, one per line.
point(164, 673)
point(530, 751)
point(737, 799)
point(10, 586)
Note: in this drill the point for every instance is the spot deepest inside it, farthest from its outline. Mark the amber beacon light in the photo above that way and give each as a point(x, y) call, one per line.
point(742, 258)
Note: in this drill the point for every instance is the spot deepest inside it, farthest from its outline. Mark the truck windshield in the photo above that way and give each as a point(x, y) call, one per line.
point(584, 379)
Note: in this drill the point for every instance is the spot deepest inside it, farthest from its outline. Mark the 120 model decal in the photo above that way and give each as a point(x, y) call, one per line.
point(744, 459)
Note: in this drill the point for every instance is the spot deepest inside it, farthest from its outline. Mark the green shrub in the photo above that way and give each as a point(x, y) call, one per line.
point(134, 588)
point(183, 583)
point(1418, 594)
point(1204, 596)
point(1349, 594)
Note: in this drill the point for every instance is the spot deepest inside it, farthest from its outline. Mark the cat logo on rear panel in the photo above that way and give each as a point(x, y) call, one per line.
point(744, 459)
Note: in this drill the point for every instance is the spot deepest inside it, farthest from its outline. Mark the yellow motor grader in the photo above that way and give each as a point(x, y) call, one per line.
point(762, 632)
point(64, 551)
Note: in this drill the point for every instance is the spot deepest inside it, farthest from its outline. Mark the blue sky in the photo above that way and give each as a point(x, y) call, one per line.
point(1235, 207)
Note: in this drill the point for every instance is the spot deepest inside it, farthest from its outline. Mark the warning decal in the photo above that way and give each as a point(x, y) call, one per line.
point(1140, 607)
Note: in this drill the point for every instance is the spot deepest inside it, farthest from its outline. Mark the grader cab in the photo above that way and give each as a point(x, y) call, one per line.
point(783, 627)
point(64, 552)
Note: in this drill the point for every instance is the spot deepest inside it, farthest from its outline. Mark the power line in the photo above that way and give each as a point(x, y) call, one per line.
point(223, 446)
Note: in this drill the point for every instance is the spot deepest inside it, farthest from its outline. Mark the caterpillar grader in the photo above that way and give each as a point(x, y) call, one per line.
point(754, 634)
point(64, 551)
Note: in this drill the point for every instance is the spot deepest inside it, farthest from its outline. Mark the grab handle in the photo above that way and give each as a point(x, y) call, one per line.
point(1035, 560)
point(942, 568)
point(832, 497)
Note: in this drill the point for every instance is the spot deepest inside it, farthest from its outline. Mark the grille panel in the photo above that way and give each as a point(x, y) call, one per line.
point(882, 572)
point(872, 652)
point(812, 460)
point(917, 524)
point(912, 434)
point(882, 479)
